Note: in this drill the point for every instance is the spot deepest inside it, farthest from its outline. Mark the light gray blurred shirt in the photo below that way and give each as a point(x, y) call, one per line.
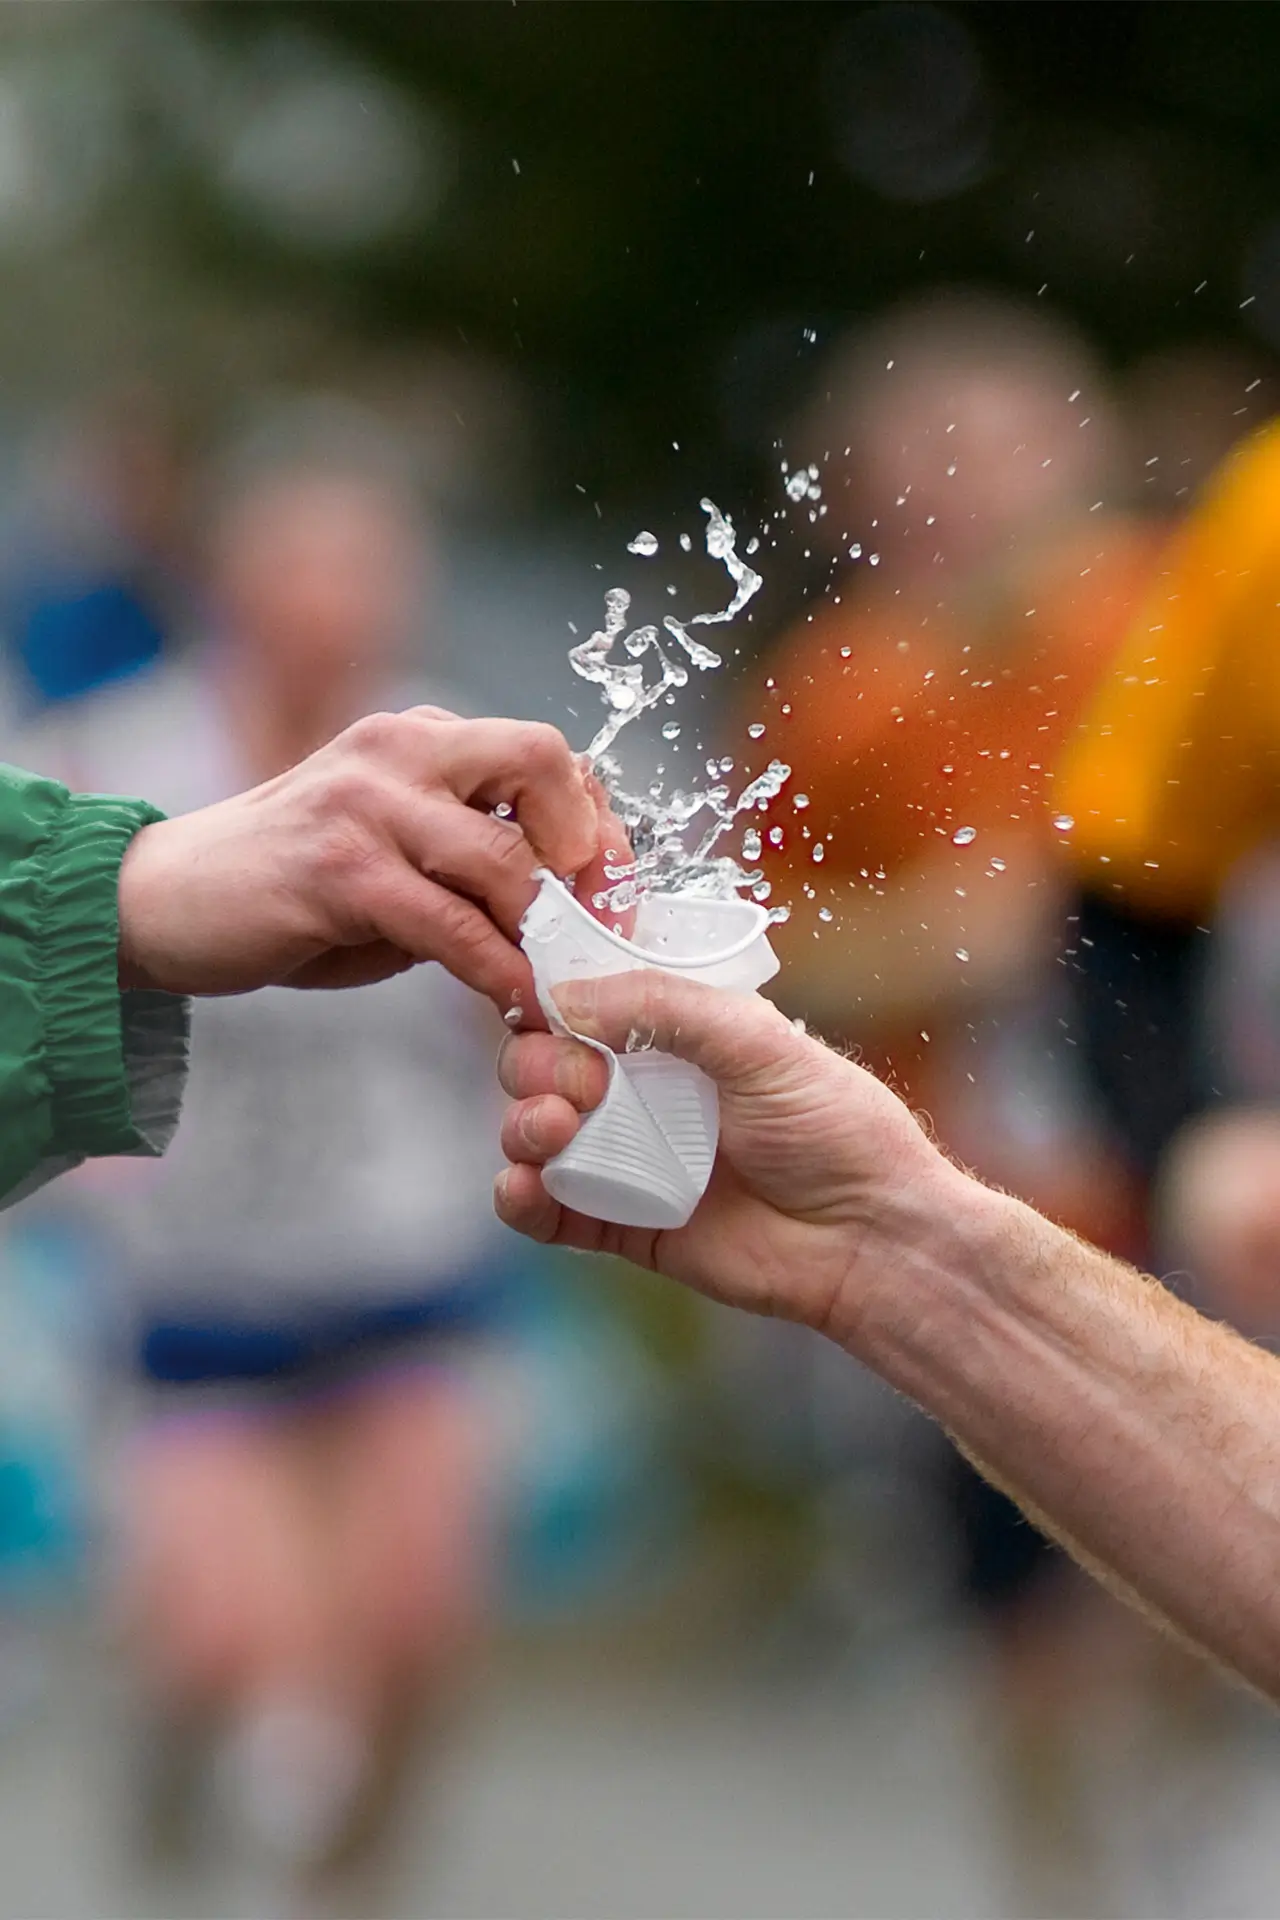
point(333, 1146)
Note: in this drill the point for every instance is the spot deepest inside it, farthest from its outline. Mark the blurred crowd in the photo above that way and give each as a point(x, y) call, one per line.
point(291, 1413)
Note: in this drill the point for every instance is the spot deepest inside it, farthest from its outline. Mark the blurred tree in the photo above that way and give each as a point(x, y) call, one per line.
point(660, 212)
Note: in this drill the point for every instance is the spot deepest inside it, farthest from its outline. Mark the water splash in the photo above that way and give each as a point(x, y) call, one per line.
point(660, 826)
point(622, 682)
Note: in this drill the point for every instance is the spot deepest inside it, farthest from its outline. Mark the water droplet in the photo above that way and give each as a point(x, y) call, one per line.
point(997, 865)
point(622, 697)
point(819, 852)
point(778, 916)
point(947, 769)
point(874, 558)
point(671, 730)
point(1063, 822)
point(504, 809)
point(513, 1016)
point(964, 836)
point(845, 652)
point(855, 551)
point(751, 844)
point(775, 836)
point(645, 543)
point(756, 730)
point(962, 953)
point(761, 891)
point(687, 543)
point(825, 913)
point(800, 801)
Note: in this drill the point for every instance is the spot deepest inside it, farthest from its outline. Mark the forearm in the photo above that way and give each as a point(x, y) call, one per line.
point(1144, 1437)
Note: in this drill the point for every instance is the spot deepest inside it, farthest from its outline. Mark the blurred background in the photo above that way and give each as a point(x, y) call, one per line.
point(354, 1558)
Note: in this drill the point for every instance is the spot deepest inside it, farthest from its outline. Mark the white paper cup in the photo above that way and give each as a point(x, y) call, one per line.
point(643, 1158)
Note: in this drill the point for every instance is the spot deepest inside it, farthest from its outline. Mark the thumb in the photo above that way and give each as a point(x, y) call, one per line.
point(737, 1039)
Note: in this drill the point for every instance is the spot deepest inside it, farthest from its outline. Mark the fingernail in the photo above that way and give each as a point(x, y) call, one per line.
point(576, 1000)
point(500, 1184)
point(573, 1065)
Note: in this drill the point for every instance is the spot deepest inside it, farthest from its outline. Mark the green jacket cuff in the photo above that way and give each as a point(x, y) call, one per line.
point(115, 1061)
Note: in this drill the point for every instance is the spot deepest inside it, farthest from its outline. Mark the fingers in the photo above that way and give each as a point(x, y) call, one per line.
point(521, 1201)
point(489, 860)
point(425, 919)
point(534, 1131)
point(613, 849)
point(737, 1039)
point(530, 1064)
point(361, 966)
point(531, 768)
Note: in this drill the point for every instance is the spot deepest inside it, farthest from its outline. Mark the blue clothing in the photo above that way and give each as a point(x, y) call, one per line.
point(70, 634)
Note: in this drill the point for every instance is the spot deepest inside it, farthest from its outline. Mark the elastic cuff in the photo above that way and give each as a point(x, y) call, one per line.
point(156, 1031)
point(115, 1061)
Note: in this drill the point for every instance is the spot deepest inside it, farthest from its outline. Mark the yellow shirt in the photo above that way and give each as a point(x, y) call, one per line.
point(1175, 771)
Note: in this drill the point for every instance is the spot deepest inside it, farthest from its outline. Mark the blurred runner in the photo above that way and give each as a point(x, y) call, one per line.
point(306, 1525)
point(1173, 779)
point(98, 575)
point(1219, 1181)
point(961, 448)
point(923, 710)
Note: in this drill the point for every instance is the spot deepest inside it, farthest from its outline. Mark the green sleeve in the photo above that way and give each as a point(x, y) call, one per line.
point(85, 1069)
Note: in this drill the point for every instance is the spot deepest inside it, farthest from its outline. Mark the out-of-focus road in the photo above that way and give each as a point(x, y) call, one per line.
point(614, 1797)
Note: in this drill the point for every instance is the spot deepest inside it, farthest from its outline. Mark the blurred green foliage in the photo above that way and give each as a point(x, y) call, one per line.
point(651, 206)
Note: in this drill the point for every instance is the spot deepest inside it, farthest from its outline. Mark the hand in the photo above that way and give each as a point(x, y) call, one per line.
point(824, 1181)
point(378, 851)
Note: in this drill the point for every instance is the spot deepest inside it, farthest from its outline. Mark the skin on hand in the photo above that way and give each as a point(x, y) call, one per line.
point(378, 851)
point(821, 1175)
point(1139, 1434)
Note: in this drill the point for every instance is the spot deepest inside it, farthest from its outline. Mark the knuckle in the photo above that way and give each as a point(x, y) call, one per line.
point(347, 790)
point(543, 747)
point(652, 999)
point(464, 928)
point(509, 850)
point(348, 863)
point(374, 734)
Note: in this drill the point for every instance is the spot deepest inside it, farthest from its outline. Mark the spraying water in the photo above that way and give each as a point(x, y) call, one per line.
point(661, 826)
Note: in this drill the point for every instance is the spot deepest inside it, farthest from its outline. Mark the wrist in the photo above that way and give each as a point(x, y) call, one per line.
point(135, 912)
point(936, 1273)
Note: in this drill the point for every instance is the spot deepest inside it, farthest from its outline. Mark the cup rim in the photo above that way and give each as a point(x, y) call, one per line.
point(663, 962)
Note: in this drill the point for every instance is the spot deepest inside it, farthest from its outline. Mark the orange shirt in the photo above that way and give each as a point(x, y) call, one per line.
point(906, 726)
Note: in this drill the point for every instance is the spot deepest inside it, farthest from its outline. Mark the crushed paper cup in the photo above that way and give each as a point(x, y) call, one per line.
point(644, 1157)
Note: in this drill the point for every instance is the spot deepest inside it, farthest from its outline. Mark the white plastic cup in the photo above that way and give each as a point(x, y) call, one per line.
point(644, 1156)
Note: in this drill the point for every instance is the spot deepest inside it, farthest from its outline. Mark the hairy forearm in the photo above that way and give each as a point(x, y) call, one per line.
point(1144, 1437)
